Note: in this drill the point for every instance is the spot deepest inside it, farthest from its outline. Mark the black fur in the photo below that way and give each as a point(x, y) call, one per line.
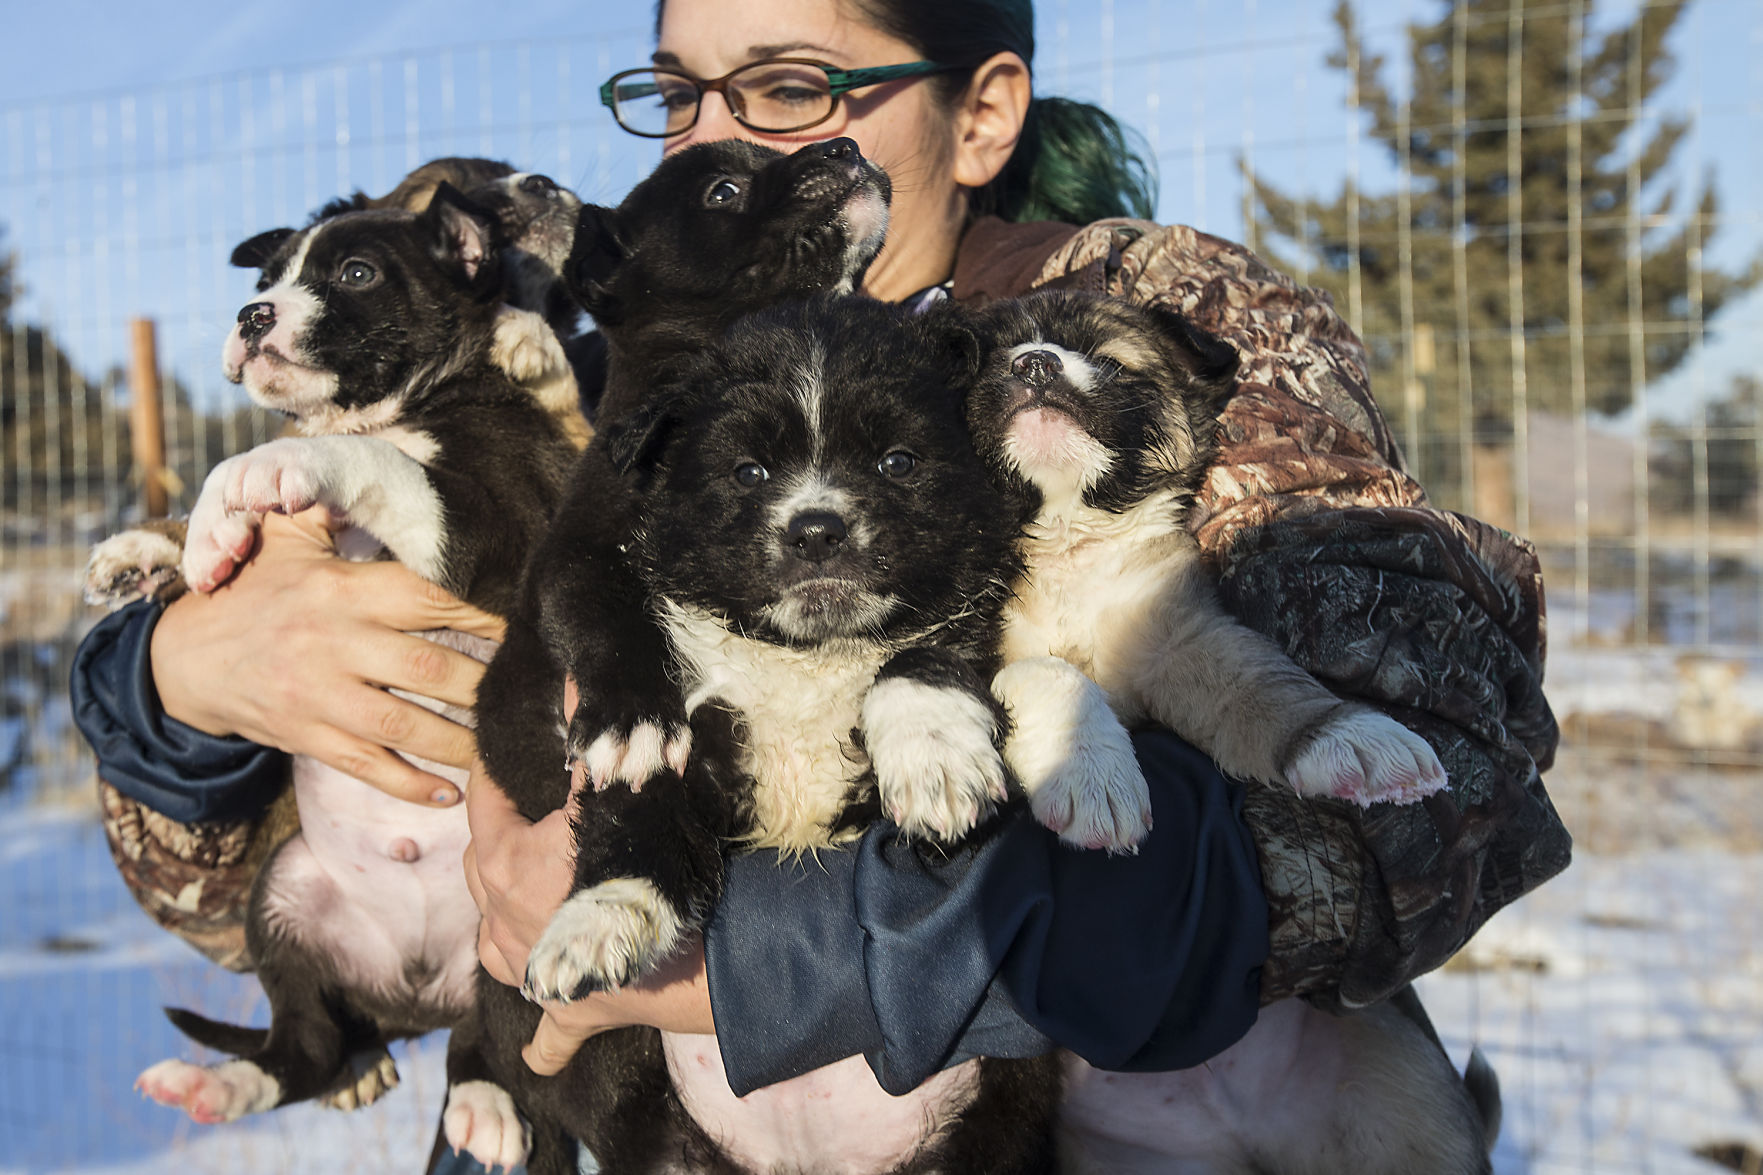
point(413, 340)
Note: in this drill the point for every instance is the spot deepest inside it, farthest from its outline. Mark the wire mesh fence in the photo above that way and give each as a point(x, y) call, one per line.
point(1545, 220)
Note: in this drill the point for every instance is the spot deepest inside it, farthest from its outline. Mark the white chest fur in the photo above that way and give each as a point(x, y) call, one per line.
point(1096, 585)
point(799, 706)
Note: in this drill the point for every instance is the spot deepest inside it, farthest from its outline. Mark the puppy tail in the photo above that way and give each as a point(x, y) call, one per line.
point(226, 1038)
point(1483, 1086)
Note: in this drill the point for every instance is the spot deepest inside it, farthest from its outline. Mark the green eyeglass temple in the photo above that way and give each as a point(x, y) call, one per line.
point(838, 81)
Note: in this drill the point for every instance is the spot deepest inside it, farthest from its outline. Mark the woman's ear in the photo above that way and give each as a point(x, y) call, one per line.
point(989, 120)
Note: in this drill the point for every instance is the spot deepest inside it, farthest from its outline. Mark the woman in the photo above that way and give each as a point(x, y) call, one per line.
point(1346, 906)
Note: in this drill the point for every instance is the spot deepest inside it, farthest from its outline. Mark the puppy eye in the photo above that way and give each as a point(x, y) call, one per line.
point(750, 473)
point(721, 192)
point(897, 464)
point(357, 273)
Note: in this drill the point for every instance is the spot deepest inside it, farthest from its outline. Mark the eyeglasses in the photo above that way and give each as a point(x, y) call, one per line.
point(772, 97)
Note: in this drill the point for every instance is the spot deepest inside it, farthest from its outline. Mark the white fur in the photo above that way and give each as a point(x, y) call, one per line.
point(132, 565)
point(375, 1076)
point(835, 1120)
point(865, 219)
point(1365, 756)
point(810, 392)
point(611, 758)
point(364, 480)
point(935, 754)
point(280, 374)
point(480, 1119)
point(799, 706)
point(222, 1093)
point(526, 348)
point(1072, 756)
point(604, 936)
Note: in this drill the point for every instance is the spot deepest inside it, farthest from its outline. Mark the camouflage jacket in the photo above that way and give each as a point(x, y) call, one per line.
point(1323, 542)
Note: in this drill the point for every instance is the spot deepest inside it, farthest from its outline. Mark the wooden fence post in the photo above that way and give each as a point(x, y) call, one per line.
point(146, 421)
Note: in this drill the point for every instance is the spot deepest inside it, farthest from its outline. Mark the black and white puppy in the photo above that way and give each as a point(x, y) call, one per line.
point(374, 332)
point(828, 562)
point(1104, 412)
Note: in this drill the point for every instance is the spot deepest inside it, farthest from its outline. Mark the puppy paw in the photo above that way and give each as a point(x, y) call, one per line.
point(375, 1076)
point(630, 736)
point(602, 937)
point(1368, 758)
point(138, 564)
point(217, 544)
point(525, 346)
point(481, 1119)
point(1072, 756)
point(222, 1094)
point(935, 754)
point(278, 477)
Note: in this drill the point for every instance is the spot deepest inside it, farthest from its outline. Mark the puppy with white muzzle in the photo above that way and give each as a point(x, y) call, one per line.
point(374, 331)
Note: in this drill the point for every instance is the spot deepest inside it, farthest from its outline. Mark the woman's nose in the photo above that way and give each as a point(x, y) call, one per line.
point(715, 121)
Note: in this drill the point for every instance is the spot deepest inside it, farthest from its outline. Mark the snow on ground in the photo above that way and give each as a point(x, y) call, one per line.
point(1622, 1005)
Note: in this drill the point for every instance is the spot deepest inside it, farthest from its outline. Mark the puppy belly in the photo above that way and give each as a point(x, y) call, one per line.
point(833, 1121)
point(373, 886)
point(1303, 1093)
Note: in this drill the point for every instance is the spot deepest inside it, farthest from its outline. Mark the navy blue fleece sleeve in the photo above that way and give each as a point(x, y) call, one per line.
point(1005, 947)
point(170, 767)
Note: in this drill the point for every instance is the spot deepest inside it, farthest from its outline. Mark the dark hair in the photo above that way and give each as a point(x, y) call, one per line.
point(1074, 162)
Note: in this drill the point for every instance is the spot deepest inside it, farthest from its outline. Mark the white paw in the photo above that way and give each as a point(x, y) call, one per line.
point(274, 477)
point(525, 346)
point(375, 1076)
point(1366, 757)
point(133, 565)
point(226, 1092)
point(480, 1118)
point(601, 938)
point(639, 758)
point(217, 543)
point(1072, 756)
point(935, 754)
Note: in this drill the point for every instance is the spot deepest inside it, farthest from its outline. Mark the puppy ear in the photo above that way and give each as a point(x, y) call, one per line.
point(1212, 360)
point(599, 250)
point(463, 233)
point(634, 440)
point(953, 332)
point(256, 252)
point(359, 202)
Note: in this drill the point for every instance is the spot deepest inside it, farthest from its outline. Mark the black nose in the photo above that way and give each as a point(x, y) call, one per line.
point(841, 148)
point(815, 536)
point(538, 185)
point(1037, 369)
point(256, 320)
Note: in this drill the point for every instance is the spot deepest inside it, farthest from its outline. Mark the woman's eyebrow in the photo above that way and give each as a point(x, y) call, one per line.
point(754, 53)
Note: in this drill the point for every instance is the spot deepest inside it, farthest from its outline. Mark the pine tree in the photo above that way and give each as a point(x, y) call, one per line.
point(1517, 116)
point(8, 291)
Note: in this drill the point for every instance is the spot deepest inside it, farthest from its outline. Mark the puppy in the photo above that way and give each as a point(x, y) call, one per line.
point(373, 331)
point(1103, 413)
point(828, 563)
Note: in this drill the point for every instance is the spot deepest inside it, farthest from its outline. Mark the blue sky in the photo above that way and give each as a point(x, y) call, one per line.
point(138, 143)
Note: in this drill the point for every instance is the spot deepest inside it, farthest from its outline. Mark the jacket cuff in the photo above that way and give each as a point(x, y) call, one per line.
point(150, 757)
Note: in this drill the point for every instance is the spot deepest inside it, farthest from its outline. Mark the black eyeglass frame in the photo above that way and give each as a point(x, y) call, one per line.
point(839, 82)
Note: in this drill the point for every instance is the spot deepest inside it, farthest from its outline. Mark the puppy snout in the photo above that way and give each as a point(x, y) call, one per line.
point(841, 149)
point(815, 536)
point(538, 185)
point(1037, 369)
point(256, 320)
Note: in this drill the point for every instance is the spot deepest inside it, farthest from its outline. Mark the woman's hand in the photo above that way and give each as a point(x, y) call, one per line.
point(293, 653)
point(519, 873)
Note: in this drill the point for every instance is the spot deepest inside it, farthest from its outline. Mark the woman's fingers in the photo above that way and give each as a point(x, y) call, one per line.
point(400, 598)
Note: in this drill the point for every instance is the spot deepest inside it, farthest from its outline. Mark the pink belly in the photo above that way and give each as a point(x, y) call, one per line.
point(833, 1121)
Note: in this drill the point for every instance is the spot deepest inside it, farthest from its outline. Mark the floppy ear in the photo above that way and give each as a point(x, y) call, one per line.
point(599, 250)
point(634, 440)
point(1212, 360)
point(256, 252)
point(953, 332)
point(462, 233)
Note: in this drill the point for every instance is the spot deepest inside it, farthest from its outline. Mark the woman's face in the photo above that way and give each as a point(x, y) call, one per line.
point(899, 125)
